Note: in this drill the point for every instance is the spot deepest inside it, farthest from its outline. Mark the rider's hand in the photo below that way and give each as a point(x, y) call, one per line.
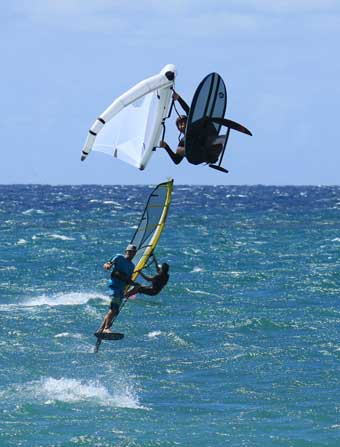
point(107, 265)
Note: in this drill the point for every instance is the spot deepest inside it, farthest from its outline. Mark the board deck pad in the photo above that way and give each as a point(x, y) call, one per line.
point(112, 336)
point(210, 101)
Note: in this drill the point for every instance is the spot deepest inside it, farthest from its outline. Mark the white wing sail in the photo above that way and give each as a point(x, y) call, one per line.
point(131, 126)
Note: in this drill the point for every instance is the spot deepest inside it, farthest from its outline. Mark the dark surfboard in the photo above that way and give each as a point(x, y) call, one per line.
point(210, 101)
point(112, 336)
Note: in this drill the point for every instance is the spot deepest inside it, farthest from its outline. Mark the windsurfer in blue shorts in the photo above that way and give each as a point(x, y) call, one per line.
point(121, 274)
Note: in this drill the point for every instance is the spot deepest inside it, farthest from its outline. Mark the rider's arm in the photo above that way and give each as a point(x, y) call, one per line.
point(183, 104)
point(148, 278)
point(156, 264)
point(175, 157)
point(110, 263)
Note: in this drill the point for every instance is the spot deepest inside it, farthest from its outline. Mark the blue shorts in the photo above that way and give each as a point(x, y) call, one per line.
point(116, 301)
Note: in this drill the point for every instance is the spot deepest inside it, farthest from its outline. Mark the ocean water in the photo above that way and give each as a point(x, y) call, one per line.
point(242, 347)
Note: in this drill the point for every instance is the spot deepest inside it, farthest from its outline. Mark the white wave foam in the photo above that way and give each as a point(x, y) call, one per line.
point(173, 371)
point(68, 335)
point(191, 251)
point(197, 270)
point(61, 237)
point(64, 299)
point(67, 222)
point(178, 340)
point(154, 334)
point(9, 268)
point(201, 292)
point(197, 250)
point(235, 274)
point(52, 250)
point(33, 211)
point(21, 242)
point(52, 390)
point(236, 196)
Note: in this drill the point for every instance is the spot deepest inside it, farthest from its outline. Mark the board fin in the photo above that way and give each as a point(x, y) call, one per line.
point(231, 124)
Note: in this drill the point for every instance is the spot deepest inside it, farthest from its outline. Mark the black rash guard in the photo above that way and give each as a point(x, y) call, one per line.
point(158, 282)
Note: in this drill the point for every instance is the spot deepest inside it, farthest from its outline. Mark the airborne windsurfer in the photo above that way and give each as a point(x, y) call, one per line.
point(213, 147)
point(121, 274)
point(158, 281)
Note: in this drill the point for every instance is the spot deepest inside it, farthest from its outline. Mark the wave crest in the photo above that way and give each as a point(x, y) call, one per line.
point(52, 390)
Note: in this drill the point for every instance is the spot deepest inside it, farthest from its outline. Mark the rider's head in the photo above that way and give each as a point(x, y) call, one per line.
point(181, 123)
point(130, 251)
point(165, 267)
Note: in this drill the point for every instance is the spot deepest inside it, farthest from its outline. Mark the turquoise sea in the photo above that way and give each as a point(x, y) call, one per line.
point(242, 347)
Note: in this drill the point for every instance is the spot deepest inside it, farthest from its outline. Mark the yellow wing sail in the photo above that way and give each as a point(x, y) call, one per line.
point(151, 225)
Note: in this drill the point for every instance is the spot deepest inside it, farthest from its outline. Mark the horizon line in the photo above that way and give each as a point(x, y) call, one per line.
point(179, 184)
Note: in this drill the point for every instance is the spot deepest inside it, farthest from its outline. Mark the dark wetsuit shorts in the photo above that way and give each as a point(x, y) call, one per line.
point(147, 290)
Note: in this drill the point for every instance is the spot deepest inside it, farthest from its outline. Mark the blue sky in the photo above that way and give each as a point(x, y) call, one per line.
point(64, 61)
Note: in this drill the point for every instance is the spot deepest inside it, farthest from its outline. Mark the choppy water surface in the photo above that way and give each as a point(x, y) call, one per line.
point(241, 349)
